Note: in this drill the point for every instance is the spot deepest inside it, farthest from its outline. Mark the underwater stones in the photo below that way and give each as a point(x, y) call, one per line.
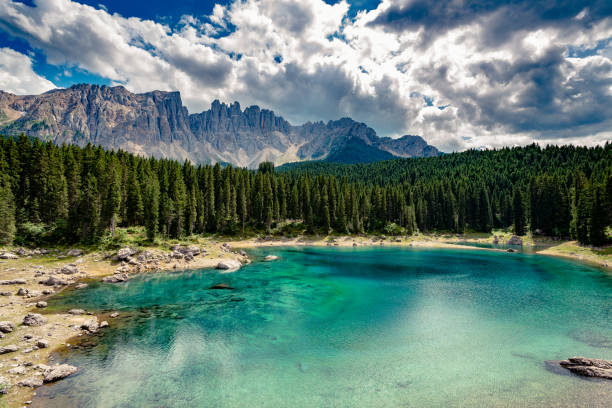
point(6, 327)
point(11, 348)
point(515, 240)
point(589, 367)
point(34, 319)
point(510, 250)
point(592, 338)
point(57, 372)
point(271, 258)
point(222, 286)
point(114, 314)
point(229, 265)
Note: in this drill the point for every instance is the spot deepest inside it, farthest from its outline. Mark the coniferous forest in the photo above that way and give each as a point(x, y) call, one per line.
point(67, 194)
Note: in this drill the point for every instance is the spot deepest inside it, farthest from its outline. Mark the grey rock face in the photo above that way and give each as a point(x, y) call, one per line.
point(157, 124)
point(34, 319)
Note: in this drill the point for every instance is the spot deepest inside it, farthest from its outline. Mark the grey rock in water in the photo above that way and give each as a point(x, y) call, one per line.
point(515, 240)
point(222, 286)
point(6, 326)
point(91, 325)
point(31, 382)
point(11, 348)
point(271, 258)
point(104, 324)
point(57, 372)
point(229, 265)
point(34, 319)
point(114, 314)
point(589, 367)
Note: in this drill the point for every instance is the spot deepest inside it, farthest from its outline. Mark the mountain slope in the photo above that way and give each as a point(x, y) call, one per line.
point(157, 124)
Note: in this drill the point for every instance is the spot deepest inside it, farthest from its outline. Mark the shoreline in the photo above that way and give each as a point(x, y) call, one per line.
point(60, 328)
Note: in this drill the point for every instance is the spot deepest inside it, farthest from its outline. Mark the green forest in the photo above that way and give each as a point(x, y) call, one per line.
point(53, 194)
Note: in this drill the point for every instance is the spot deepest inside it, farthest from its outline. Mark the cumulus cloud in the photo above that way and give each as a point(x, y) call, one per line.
point(17, 75)
point(461, 73)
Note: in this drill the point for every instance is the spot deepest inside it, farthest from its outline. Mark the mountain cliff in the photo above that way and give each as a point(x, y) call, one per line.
point(157, 124)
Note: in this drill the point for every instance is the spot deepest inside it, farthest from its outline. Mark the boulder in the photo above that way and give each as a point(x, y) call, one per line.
point(41, 304)
point(5, 293)
point(22, 292)
point(229, 265)
point(74, 252)
point(31, 382)
point(91, 325)
point(42, 343)
point(11, 348)
point(6, 327)
point(34, 319)
point(515, 240)
point(76, 312)
point(13, 282)
point(57, 372)
point(589, 367)
point(80, 286)
point(104, 324)
point(8, 255)
point(271, 258)
point(4, 385)
point(21, 370)
point(125, 253)
point(69, 269)
point(21, 251)
point(116, 278)
point(114, 314)
point(53, 281)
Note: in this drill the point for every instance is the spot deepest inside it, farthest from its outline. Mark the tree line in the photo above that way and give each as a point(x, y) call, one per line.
point(68, 194)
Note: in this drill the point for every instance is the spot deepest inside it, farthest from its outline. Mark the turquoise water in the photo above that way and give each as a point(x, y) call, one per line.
point(330, 327)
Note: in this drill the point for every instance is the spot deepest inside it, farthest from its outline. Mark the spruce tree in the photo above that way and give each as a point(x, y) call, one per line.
point(518, 207)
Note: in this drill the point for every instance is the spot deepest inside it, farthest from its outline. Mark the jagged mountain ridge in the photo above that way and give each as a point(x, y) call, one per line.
point(157, 124)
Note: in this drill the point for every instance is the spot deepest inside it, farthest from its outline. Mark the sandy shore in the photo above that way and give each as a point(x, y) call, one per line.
point(59, 328)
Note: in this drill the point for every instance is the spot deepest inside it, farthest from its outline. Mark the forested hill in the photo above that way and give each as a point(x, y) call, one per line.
point(55, 194)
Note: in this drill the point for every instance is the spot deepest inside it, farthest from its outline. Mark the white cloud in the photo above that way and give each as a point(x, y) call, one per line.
point(504, 74)
point(17, 76)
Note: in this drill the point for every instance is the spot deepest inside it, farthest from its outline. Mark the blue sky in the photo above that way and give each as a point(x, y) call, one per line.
point(461, 73)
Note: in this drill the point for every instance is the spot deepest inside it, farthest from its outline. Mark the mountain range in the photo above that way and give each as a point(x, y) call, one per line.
point(157, 124)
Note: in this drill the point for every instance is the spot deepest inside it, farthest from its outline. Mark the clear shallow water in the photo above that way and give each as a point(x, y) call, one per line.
point(330, 327)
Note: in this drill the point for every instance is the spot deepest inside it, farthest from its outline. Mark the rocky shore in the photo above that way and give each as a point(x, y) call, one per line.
point(29, 278)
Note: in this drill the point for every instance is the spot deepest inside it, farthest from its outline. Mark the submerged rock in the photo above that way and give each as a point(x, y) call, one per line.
point(271, 258)
point(34, 319)
point(222, 286)
point(58, 372)
point(230, 264)
point(91, 325)
point(589, 367)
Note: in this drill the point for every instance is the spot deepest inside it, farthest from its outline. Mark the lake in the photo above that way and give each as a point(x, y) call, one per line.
point(345, 327)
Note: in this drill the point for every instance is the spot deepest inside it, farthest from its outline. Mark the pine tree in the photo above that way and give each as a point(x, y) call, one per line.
point(7, 205)
point(598, 216)
point(134, 201)
point(518, 207)
point(151, 207)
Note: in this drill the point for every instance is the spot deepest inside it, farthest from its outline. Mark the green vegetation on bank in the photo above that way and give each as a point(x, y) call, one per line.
point(66, 194)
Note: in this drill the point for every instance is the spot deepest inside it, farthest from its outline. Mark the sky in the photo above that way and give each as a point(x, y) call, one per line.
point(460, 73)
